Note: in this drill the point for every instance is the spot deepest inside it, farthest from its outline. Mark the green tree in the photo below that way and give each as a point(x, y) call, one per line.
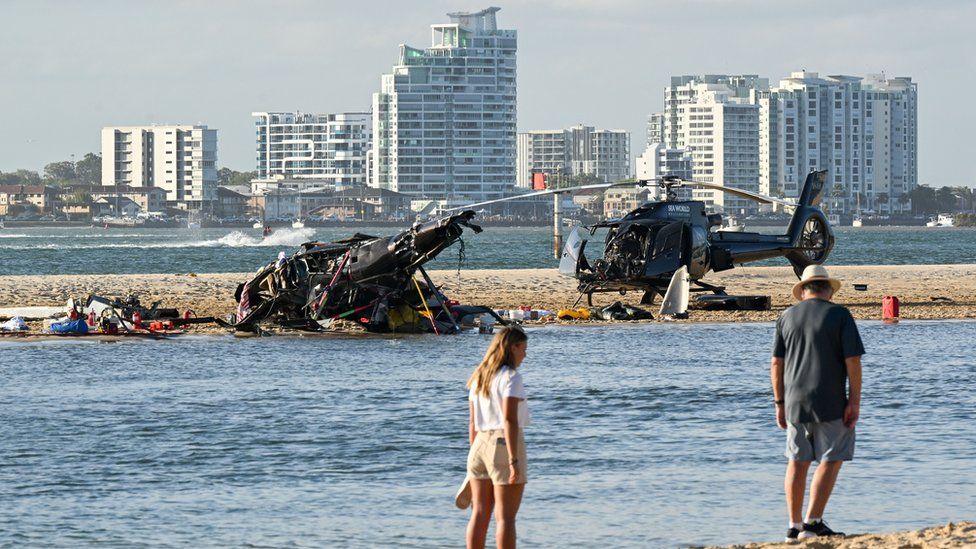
point(227, 176)
point(89, 169)
point(77, 199)
point(903, 199)
point(883, 199)
point(945, 199)
point(923, 200)
point(60, 173)
point(28, 177)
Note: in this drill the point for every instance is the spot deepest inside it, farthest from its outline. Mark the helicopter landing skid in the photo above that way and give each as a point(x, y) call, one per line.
point(706, 287)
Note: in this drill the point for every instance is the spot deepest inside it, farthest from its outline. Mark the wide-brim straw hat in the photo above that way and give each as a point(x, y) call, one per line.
point(811, 273)
point(462, 499)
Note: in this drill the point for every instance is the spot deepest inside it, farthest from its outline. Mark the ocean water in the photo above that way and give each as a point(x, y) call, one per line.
point(101, 251)
point(642, 436)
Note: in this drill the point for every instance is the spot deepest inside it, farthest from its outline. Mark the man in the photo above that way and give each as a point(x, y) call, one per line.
point(817, 350)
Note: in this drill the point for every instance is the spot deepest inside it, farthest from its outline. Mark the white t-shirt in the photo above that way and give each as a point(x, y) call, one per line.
point(488, 411)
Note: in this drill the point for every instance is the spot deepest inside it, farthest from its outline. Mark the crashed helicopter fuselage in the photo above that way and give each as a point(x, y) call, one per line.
point(365, 279)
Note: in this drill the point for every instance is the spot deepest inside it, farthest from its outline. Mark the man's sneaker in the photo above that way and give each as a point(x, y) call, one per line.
point(817, 529)
point(791, 535)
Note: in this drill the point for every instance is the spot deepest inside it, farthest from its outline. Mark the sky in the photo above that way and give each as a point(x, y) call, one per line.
point(69, 68)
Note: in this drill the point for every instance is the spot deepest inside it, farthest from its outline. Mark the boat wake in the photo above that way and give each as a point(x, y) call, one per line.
point(283, 238)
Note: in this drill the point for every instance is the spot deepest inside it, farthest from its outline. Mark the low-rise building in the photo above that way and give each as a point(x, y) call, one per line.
point(620, 200)
point(230, 204)
point(16, 199)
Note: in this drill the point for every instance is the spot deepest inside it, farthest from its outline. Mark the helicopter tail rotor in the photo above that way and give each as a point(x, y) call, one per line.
point(809, 232)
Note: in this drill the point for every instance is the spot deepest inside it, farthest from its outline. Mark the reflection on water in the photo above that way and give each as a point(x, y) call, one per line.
point(642, 435)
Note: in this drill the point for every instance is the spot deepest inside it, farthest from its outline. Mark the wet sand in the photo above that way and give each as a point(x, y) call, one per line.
point(960, 534)
point(952, 286)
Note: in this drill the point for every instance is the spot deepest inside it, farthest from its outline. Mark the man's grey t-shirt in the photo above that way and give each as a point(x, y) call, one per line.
point(814, 337)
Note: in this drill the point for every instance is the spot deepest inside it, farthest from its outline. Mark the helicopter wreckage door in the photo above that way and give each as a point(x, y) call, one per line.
point(669, 250)
point(570, 263)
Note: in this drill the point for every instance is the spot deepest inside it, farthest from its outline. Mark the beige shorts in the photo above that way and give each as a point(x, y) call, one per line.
point(488, 457)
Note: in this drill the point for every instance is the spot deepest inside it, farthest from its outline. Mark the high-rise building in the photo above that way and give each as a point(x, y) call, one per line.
point(655, 128)
point(181, 159)
point(712, 117)
point(862, 131)
point(444, 119)
point(658, 161)
point(327, 148)
point(575, 151)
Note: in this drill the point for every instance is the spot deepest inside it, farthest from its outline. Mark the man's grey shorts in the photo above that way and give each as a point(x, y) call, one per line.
point(829, 441)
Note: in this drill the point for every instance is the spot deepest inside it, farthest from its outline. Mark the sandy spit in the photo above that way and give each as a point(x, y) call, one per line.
point(925, 291)
point(960, 534)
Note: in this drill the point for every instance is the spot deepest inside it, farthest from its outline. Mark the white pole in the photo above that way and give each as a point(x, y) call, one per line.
point(557, 222)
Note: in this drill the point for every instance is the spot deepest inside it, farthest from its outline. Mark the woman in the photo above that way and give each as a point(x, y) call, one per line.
point(497, 412)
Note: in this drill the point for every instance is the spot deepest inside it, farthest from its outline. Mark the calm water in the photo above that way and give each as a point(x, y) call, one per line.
point(81, 251)
point(642, 436)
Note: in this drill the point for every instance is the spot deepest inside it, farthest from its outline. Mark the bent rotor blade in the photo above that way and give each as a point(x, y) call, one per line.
point(551, 191)
point(761, 198)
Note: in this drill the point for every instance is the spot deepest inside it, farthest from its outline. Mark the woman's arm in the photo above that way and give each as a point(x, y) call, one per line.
point(471, 430)
point(510, 410)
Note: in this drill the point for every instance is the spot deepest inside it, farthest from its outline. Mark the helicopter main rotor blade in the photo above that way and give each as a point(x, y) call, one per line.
point(761, 198)
point(550, 191)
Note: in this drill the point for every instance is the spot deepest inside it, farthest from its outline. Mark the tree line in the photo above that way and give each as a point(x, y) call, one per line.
point(88, 171)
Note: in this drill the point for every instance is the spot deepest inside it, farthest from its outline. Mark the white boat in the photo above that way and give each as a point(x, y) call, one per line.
point(733, 226)
point(858, 222)
point(944, 220)
point(833, 219)
point(297, 224)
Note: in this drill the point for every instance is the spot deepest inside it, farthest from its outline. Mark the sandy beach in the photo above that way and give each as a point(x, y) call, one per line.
point(960, 534)
point(925, 291)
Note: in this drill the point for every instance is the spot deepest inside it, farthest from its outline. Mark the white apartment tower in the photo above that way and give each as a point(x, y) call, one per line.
point(574, 151)
point(655, 128)
point(862, 131)
point(658, 161)
point(444, 119)
point(327, 148)
point(182, 160)
point(712, 117)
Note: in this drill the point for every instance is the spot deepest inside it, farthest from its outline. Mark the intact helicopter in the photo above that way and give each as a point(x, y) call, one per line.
point(644, 248)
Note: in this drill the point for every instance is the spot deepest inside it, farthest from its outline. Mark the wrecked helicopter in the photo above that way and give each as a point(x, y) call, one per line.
point(365, 279)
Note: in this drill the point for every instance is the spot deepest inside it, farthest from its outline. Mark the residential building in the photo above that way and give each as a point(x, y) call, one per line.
point(179, 159)
point(655, 128)
point(230, 204)
point(712, 116)
point(619, 201)
point(118, 206)
point(574, 151)
point(862, 131)
point(658, 161)
point(325, 147)
point(147, 199)
point(20, 199)
point(444, 118)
